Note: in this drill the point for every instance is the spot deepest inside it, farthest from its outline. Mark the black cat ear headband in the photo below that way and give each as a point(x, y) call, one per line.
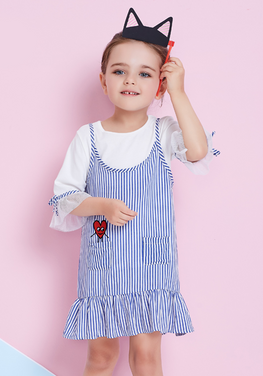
point(159, 34)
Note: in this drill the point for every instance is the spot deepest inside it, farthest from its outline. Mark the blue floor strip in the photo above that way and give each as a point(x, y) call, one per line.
point(14, 363)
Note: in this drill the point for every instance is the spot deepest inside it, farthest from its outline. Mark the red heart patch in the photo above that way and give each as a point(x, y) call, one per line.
point(100, 228)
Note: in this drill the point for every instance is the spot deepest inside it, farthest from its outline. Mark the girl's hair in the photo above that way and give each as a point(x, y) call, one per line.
point(119, 39)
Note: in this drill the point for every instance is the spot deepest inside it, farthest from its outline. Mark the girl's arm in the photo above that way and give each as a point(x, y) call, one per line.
point(115, 211)
point(193, 133)
point(70, 195)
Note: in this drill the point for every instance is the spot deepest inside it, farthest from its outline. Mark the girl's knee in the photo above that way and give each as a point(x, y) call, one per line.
point(104, 356)
point(145, 352)
point(145, 363)
point(142, 357)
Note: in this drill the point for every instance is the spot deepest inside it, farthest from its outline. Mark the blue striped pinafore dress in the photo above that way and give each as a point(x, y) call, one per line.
point(128, 275)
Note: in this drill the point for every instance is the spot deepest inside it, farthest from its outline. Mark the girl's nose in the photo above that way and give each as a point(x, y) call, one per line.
point(129, 81)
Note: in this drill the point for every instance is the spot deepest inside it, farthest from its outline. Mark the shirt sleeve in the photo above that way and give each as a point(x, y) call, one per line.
point(173, 142)
point(70, 184)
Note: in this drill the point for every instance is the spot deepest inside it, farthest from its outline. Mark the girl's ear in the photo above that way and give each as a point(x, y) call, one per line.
point(162, 90)
point(103, 83)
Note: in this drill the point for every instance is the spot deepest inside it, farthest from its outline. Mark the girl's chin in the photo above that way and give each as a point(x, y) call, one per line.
point(131, 108)
point(129, 103)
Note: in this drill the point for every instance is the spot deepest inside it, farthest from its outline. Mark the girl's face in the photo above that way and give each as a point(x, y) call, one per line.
point(132, 76)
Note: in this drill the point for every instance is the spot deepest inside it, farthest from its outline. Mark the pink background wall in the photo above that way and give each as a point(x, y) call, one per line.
point(50, 59)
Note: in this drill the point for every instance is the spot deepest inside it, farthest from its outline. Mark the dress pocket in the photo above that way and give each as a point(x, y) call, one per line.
point(99, 255)
point(156, 250)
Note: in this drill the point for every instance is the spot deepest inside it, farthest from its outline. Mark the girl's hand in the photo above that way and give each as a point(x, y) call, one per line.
point(173, 71)
point(117, 212)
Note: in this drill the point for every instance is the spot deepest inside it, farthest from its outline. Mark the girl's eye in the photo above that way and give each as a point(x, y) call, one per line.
point(144, 74)
point(118, 72)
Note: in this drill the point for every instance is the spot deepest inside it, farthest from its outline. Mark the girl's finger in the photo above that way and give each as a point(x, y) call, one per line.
point(165, 74)
point(125, 217)
point(176, 61)
point(128, 211)
point(172, 63)
point(169, 67)
point(167, 70)
point(120, 223)
point(125, 209)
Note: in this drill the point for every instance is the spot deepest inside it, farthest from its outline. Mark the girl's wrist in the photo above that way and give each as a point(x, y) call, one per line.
point(102, 205)
point(177, 95)
point(91, 206)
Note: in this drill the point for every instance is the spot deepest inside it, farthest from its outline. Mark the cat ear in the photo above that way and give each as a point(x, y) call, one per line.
point(132, 19)
point(165, 27)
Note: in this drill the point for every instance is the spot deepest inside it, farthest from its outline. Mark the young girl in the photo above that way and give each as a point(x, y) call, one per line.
point(116, 183)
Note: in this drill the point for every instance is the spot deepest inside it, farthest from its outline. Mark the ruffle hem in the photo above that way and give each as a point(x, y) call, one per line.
point(128, 315)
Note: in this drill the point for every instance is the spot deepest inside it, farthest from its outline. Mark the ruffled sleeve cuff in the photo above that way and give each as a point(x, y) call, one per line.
point(63, 204)
point(179, 150)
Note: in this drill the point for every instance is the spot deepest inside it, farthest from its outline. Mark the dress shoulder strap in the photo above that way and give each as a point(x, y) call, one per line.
point(160, 150)
point(157, 133)
point(92, 149)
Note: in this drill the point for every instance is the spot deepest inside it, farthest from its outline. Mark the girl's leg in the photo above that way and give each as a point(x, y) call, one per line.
point(103, 354)
point(145, 354)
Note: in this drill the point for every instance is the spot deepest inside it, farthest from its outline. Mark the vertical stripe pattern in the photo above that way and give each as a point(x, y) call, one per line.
point(128, 275)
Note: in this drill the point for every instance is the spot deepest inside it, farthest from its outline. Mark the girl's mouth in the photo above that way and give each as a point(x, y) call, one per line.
point(129, 93)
